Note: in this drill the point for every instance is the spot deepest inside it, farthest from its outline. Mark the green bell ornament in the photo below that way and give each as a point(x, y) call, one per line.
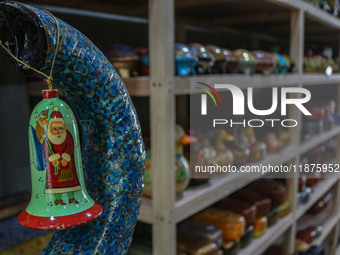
point(59, 198)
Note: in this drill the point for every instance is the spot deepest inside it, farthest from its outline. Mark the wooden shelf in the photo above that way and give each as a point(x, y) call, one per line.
point(318, 139)
point(145, 211)
point(102, 9)
point(274, 232)
point(337, 250)
point(327, 228)
point(320, 79)
point(326, 219)
point(140, 86)
point(197, 198)
point(319, 190)
point(311, 12)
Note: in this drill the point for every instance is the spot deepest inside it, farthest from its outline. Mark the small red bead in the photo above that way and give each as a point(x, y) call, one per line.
point(50, 93)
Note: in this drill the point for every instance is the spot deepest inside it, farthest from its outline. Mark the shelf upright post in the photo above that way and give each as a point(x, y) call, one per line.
point(296, 53)
point(297, 34)
point(335, 209)
point(336, 199)
point(161, 44)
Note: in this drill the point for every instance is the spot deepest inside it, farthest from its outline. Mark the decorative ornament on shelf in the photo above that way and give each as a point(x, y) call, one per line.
point(113, 155)
point(185, 60)
point(181, 166)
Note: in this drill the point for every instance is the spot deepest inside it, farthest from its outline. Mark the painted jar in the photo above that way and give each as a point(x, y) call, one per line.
point(232, 224)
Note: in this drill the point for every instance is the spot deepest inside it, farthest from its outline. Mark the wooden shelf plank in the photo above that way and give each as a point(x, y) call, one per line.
point(337, 250)
point(327, 229)
point(321, 188)
point(140, 86)
point(195, 199)
point(325, 219)
point(320, 79)
point(259, 245)
point(145, 211)
point(106, 11)
point(311, 12)
point(240, 80)
point(318, 139)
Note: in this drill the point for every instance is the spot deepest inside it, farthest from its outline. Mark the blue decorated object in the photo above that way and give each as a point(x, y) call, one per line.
point(284, 64)
point(112, 145)
point(185, 61)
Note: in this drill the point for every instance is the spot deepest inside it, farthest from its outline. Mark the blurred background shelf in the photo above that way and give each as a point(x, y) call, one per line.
point(260, 244)
point(318, 191)
point(194, 199)
point(318, 139)
point(140, 86)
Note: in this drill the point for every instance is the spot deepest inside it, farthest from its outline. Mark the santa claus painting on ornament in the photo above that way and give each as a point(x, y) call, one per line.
point(61, 175)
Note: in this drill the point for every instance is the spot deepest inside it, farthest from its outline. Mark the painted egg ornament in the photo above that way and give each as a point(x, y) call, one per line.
point(59, 197)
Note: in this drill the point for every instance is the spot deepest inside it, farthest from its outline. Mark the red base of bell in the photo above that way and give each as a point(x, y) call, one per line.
point(60, 222)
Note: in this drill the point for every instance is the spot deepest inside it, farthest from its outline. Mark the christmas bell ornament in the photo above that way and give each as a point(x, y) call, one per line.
point(59, 198)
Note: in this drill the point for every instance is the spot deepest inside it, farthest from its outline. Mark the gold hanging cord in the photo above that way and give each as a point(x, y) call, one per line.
point(48, 78)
